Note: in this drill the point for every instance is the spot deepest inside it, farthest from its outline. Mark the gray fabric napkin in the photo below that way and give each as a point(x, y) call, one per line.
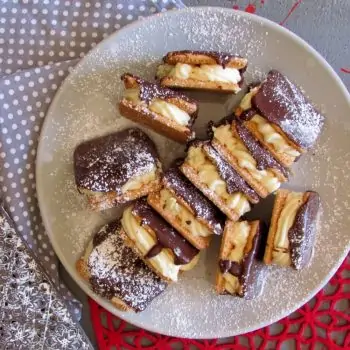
point(39, 42)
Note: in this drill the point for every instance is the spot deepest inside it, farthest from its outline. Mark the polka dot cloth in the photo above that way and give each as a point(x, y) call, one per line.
point(40, 40)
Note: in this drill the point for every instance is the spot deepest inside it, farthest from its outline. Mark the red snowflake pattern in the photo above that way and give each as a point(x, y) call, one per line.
point(324, 323)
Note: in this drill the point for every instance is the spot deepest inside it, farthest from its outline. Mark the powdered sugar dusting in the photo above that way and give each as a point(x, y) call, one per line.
point(87, 108)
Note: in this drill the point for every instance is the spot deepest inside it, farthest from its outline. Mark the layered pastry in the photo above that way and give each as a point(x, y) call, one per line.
point(204, 70)
point(217, 180)
point(181, 204)
point(117, 168)
point(279, 115)
point(240, 271)
point(156, 242)
point(293, 227)
point(117, 273)
point(167, 112)
point(248, 157)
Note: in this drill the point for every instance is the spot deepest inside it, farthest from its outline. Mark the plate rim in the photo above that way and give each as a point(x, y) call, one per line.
point(71, 269)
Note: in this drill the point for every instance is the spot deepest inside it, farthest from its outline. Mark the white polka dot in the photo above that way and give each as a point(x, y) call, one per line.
point(119, 6)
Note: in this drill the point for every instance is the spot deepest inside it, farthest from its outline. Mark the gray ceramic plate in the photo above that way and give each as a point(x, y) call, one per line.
point(85, 106)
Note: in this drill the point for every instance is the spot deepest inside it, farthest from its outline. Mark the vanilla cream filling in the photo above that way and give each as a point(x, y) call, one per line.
point(267, 131)
point(224, 136)
point(183, 215)
point(162, 262)
point(209, 175)
point(204, 72)
point(281, 253)
point(166, 109)
point(138, 182)
point(241, 234)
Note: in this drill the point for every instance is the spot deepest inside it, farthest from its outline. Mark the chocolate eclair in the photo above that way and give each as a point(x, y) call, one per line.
point(203, 70)
point(117, 273)
point(280, 116)
point(217, 180)
point(169, 113)
point(117, 168)
point(185, 208)
point(293, 228)
point(240, 271)
point(248, 157)
point(156, 242)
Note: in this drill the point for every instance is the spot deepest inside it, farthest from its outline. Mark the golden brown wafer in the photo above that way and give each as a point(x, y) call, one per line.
point(198, 58)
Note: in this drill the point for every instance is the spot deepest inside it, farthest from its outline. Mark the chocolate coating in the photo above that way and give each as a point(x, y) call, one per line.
point(234, 182)
point(202, 207)
point(263, 157)
point(282, 103)
point(116, 271)
point(222, 58)
point(107, 163)
point(302, 233)
point(167, 237)
point(233, 267)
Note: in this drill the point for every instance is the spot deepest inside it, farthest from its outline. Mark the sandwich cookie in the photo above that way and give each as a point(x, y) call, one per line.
point(117, 168)
point(117, 273)
point(217, 180)
point(156, 242)
point(240, 271)
point(186, 209)
point(248, 157)
point(280, 116)
point(202, 70)
point(167, 112)
point(293, 228)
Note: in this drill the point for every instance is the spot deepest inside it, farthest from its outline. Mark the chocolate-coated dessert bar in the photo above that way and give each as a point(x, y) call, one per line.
point(203, 70)
point(169, 113)
point(280, 116)
point(217, 180)
point(186, 209)
point(293, 227)
point(156, 242)
point(240, 271)
point(117, 168)
point(117, 273)
point(248, 157)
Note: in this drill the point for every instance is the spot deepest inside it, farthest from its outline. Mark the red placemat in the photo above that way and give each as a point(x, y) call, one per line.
point(324, 322)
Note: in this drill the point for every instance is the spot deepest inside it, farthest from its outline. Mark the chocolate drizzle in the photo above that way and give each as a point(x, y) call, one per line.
point(202, 207)
point(282, 103)
point(233, 267)
point(116, 271)
point(167, 237)
point(261, 155)
point(221, 58)
point(302, 233)
point(234, 182)
point(107, 163)
point(248, 114)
